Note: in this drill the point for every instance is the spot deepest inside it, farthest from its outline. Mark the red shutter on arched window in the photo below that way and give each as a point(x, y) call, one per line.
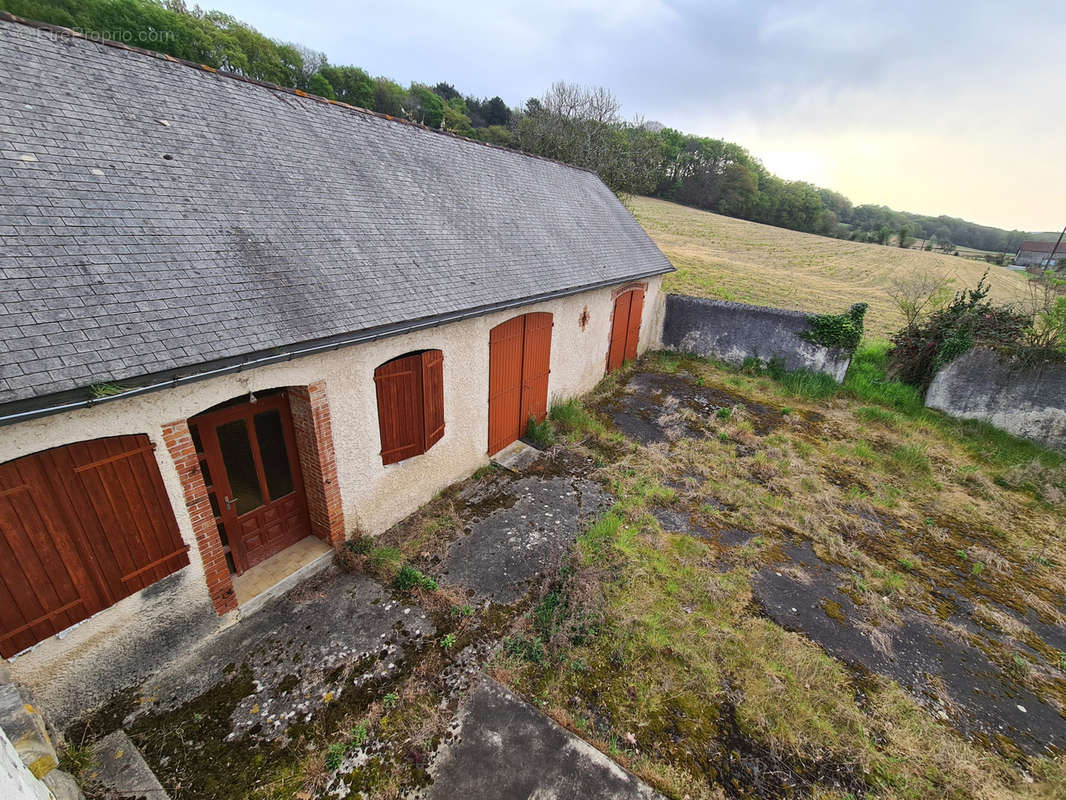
point(399, 385)
point(433, 395)
point(410, 393)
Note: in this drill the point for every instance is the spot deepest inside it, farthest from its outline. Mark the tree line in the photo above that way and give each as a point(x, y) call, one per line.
point(579, 125)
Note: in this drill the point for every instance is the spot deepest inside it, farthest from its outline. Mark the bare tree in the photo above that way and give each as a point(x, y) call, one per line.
point(919, 294)
point(582, 125)
point(582, 103)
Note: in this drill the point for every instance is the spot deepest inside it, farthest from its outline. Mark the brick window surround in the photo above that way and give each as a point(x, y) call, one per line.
point(314, 441)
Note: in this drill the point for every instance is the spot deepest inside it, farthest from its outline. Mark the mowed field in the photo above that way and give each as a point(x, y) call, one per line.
point(732, 259)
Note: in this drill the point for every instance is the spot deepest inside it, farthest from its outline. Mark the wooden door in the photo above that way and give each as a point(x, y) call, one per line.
point(519, 366)
point(81, 527)
point(252, 469)
point(625, 328)
point(536, 362)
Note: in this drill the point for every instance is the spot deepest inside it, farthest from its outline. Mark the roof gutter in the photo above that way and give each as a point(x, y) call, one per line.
point(296, 351)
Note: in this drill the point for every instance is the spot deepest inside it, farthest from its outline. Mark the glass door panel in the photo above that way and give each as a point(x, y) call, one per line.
point(240, 466)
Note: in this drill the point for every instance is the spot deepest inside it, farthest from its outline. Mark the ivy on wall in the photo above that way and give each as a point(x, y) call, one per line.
point(842, 331)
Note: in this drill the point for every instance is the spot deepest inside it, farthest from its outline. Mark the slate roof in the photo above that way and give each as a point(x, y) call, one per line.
point(1042, 247)
point(155, 216)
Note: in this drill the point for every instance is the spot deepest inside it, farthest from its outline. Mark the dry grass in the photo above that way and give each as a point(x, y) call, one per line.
point(679, 636)
point(732, 259)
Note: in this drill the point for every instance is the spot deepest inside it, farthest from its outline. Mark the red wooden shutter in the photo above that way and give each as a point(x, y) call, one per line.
point(81, 527)
point(121, 480)
point(536, 362)
point(636, 307)
point(433, 396)
point(619, 331)
point(400, 415)
point(43, 588)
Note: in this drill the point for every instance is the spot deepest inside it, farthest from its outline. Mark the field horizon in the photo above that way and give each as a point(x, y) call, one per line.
point(749, 262)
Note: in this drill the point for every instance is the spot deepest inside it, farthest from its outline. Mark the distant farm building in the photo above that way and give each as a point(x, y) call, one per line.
point(1039, 254)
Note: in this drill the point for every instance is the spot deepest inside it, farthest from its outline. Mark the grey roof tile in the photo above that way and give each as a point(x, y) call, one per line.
point(277, 220)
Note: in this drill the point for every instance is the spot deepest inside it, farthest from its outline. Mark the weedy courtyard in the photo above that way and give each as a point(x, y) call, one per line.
point(735, 583)
point(805, 589)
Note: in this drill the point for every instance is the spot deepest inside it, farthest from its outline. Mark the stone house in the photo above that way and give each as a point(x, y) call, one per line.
point(242, 323)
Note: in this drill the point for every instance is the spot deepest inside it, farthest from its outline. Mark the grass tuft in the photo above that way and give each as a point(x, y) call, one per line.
point(575, 420)
point(540, 433)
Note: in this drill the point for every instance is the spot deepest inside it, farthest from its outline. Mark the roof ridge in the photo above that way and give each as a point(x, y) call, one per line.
point(6, 16)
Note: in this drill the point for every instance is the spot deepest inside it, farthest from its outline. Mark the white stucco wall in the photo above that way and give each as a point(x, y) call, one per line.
point(90, 658)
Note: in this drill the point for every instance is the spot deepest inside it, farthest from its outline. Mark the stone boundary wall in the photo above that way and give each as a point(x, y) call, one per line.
point(734, 332)
point(1027, 401)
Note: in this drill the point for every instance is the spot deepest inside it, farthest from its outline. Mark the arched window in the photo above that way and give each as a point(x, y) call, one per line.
point(410, 392)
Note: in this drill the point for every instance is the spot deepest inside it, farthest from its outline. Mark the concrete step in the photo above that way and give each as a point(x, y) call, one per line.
point(516, 457)
point(504, 749)
point(119, 767)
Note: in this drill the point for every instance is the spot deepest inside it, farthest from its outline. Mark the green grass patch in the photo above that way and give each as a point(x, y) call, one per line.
point(408, 579)
point(385, 560)
point(866, 381)
point(910, 457)
point(881, 416)
point(574, 420)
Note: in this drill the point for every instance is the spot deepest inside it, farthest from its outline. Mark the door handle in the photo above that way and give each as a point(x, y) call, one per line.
point(229, 501)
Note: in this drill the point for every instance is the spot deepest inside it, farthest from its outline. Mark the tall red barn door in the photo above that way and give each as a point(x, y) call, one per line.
point(636, 309)
point(536, 363)
point(506, 349)
point(519, 366)
point(619, 329)
point(625, 328)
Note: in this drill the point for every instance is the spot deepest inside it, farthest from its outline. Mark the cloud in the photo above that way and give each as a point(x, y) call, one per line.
point(949, 107)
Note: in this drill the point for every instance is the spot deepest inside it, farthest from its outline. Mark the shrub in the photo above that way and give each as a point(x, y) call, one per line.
point(920, 350)
point(1049, 326)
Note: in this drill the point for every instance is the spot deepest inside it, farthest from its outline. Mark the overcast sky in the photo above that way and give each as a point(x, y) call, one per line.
point(940, 106)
